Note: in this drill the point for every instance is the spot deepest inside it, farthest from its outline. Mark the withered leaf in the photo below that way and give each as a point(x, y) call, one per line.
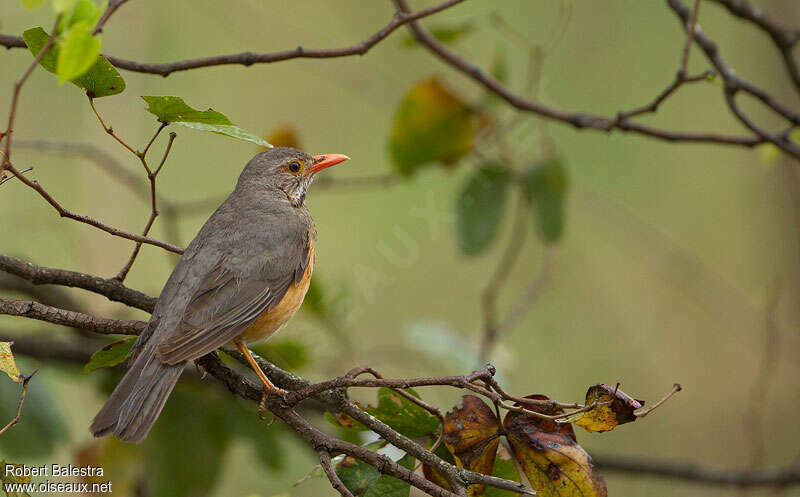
point(472, 433)
point(7, 363)
point(550, 456)
point(615, 408)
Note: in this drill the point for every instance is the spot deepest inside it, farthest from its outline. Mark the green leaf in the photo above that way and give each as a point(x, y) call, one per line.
point(174, 110)
point(431, 125)
point(60, 6)
point(356, 475)
point(479, 208)
point(403, 415)
point(188, 444)
point(227, 130)
point(445, 34)
point(286, 354)
point(101, 80)
point(112, 354)
point(41, 428)
point(365, 481)
point(79, 52)
point(546, 185)
point(32, 4)
point(80, 11)
point(389, 486)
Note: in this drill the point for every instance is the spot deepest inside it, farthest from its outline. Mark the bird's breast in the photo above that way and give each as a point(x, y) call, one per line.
point(273, 320)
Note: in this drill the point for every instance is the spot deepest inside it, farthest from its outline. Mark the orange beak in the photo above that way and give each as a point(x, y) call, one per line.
point(326, 160)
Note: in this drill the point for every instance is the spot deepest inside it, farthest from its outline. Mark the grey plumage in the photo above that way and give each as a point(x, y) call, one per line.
point(240, 264)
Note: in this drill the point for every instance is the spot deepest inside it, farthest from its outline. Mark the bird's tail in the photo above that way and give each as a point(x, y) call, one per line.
point(138, 399)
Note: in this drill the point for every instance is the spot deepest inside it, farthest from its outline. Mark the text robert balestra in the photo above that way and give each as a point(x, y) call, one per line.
point(54, 469)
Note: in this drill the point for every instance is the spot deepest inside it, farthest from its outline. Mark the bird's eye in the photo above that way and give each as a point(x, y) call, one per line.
point(294, 167)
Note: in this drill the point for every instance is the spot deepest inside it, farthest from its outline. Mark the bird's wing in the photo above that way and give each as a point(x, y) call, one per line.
point(232, 295)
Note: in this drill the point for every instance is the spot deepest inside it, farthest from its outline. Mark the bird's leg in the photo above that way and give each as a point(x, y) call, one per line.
point(269, 388)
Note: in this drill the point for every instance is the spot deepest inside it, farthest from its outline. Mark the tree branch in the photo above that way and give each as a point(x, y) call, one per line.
point(56, 315)
point(110, 288)
point(250, 58)
point(576, 119)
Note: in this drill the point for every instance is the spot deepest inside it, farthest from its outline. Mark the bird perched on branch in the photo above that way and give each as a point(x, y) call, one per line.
point(240, 280)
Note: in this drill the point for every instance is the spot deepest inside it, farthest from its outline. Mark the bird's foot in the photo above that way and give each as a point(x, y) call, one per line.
point(262, 405)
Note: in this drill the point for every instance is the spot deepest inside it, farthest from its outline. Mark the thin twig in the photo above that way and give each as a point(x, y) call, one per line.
point(644, 411)
point(250, 58)
point(16, 418)
point(330, 472)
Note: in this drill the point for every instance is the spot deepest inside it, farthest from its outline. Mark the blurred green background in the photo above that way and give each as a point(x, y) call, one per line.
point(671, 256)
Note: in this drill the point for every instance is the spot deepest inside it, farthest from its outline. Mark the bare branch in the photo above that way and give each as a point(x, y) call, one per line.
point(55, 315)
point(250, 58)
point(785, 38)
point(110, 288)
point(576, 119)
point(112, 7)
point(330, 472)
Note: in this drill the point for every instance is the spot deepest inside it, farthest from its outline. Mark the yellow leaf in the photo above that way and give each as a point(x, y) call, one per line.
point(431, 125)
point(615, 407)
point(283, 136)
point(7, 363)
point(550, 456)
point(472, 433)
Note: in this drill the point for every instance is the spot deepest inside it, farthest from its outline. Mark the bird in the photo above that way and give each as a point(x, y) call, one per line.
point(240, 280)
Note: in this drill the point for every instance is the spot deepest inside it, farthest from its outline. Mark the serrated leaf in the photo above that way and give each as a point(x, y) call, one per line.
point(112, 354)
point(479, 208)
point(79, 52)
point(32, 4)
point(472, 434)
point(615, 408)
point(403, 415)
point(170, 109)
point(173, 109)
point(549, 454)
point(445, 34)
point(546, 185)
point(101, 80)
point(7, 363)
point(430, 125)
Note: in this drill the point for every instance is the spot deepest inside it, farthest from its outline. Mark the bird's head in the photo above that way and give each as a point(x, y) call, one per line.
point(286, 170)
